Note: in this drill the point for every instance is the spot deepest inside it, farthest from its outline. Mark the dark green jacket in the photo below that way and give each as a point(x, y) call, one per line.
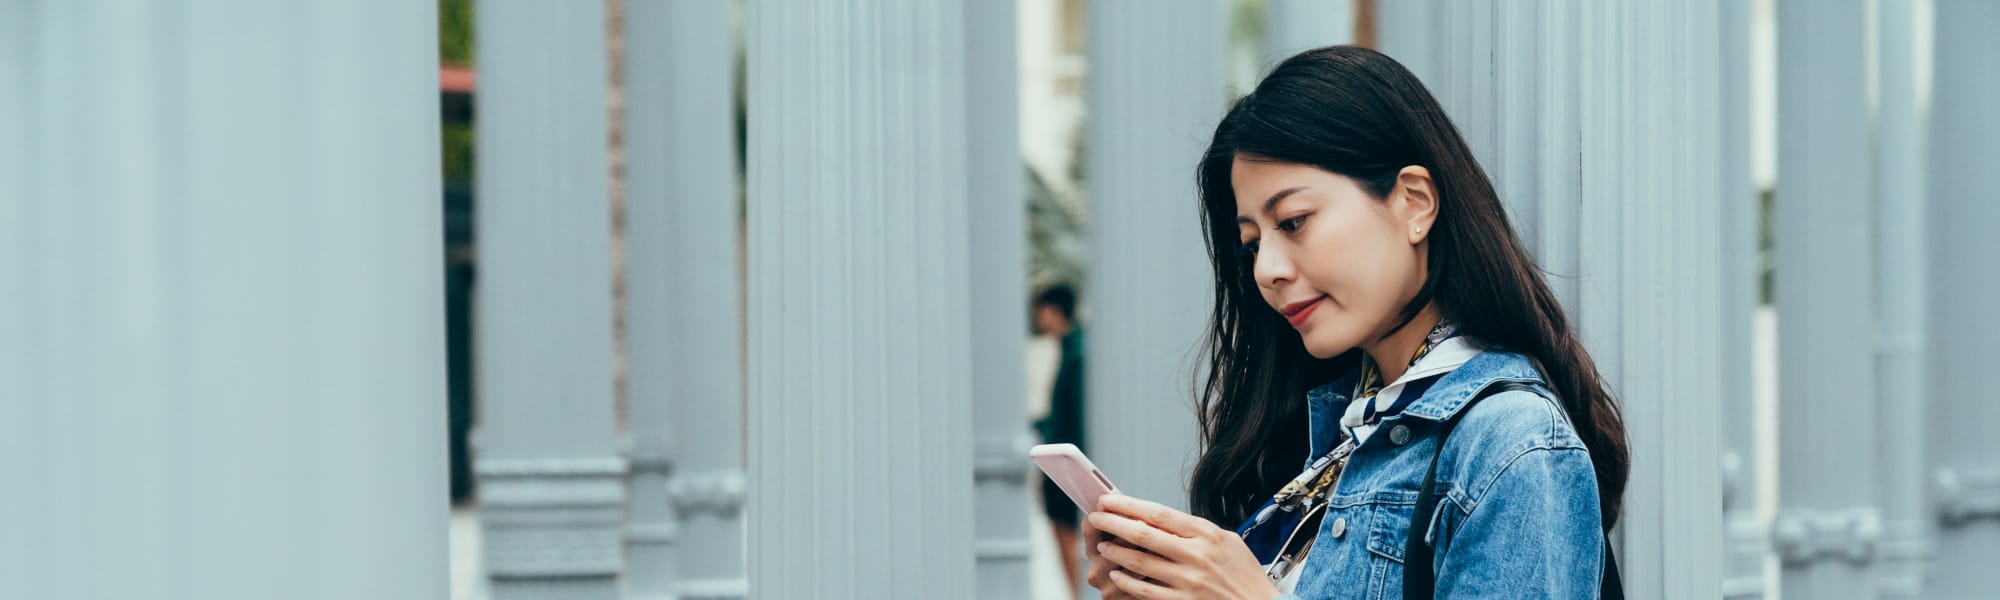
point(1064, 423)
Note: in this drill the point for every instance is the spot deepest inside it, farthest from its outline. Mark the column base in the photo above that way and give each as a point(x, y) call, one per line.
point(553, 527)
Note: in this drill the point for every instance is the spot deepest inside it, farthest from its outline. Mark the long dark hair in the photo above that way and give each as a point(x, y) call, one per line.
point(1360, 114)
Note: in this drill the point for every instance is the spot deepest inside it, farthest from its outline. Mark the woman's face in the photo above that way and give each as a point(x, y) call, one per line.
point(1337, 263)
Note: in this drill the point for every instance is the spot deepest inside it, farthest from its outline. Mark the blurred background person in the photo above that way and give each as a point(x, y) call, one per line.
point(1055, 317)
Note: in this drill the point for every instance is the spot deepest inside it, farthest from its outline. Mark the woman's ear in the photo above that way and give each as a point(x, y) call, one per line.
point(1415, 203)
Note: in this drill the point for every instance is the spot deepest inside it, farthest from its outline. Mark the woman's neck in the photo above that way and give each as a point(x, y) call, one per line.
point(1392, 354)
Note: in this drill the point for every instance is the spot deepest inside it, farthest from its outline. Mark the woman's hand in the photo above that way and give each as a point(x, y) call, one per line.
point(1162, 553)
point(1100, 569)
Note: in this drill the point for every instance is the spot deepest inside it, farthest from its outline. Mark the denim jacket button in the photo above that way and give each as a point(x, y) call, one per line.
point(1339, 527)
point(1400, 435)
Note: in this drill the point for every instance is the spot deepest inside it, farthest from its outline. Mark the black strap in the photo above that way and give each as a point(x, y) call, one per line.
point(1419, 580)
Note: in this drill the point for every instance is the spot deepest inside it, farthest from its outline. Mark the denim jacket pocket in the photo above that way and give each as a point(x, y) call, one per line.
point(1388, 528)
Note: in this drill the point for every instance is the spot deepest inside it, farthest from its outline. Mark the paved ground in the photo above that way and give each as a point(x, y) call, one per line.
point(466, 583)
point(1044, 572)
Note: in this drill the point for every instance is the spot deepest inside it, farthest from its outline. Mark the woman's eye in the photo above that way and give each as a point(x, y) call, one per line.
point(1247, 249)
point(1292, 224)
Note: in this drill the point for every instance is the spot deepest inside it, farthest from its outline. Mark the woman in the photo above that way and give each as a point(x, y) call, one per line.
point(1372, 300)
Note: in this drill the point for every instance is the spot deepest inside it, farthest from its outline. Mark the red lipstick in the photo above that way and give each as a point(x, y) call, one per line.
point(1297, 312)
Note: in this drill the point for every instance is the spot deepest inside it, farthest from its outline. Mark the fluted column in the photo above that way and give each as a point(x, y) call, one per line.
point(1649, 212)
point(684, 529)
point(1598, 123)
point(1294, 26)
point(222, 338)
point(1902, 395)
point(1965, 288)
point(1830, 521)
point(1407, 30)
point(1155, 91)
point(998, 208)
point(860, 337)
point(551, 479)
point(18, 439)
point(1741, 274)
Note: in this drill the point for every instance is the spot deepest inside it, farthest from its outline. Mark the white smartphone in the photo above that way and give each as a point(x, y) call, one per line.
point(1073, 472)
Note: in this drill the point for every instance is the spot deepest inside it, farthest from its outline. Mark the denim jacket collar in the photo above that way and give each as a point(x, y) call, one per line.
point(1325, 404)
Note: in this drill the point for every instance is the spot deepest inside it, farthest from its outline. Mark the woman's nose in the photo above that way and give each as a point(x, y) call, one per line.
point(1273, 267)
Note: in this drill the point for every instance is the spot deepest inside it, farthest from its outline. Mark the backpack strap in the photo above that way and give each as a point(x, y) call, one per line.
point(1419, 579)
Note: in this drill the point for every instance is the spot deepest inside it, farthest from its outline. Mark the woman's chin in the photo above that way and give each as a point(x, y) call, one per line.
point(1323, 350)
point(1323, 344)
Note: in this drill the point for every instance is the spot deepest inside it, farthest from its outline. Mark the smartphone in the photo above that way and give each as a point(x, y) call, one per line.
point(1073, 472)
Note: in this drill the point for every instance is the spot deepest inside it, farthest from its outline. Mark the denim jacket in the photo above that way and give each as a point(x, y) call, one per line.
point(1517, 513)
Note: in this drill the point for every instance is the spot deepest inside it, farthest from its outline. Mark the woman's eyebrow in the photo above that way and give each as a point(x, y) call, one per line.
point(1271, 202)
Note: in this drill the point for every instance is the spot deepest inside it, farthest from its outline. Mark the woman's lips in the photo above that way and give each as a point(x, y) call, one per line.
point(1298, 312)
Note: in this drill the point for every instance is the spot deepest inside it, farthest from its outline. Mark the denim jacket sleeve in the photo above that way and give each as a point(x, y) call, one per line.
point(1533, 531)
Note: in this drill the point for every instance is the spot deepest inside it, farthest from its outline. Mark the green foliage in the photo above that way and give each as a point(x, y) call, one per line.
point(1767, 282)
point(455, 32)
point(458, 150)
point(1057, 218)
point(455, 25)
point(1055, 234)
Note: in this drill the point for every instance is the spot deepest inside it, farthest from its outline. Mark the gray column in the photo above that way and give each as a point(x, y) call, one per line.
point(860, 338)
point(1741, 274)
point(1649, 214)
point(1965, 288)
point(551, 480)
point(1294, 26)
point(1406, 30)
point(1508, 88)
point(222, 340)
point(1902, 392)
point(18, 439)
point(1465, 66)
point(684, 531)
point(1495, 71)
point(1156, 89)
point(1829, 522)
point(998, 230)
point(1599, 122)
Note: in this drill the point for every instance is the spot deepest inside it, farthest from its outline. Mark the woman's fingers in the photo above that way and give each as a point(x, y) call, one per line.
point(1138, 588)
point(1091, 536)
point(1110, 591)
point(1158, 515)
point(1138, 562)
point(1100, 573)
point(1140, 534)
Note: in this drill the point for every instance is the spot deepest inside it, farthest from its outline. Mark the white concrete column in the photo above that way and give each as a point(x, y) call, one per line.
point(1902, 394)
point(1155, 90)
point(998, 233)
point(18, 49)
point(1965, 288)
point(1502, 73)
point(551, 480)
point(1407, 30)
point(223, 336)
point(684, 529)
point(1646, 298)
point(1829, 524)
point(1466, 53)
point(1294, 26)
point(1598, 122)
point(1744, 530)
point(860, 337)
